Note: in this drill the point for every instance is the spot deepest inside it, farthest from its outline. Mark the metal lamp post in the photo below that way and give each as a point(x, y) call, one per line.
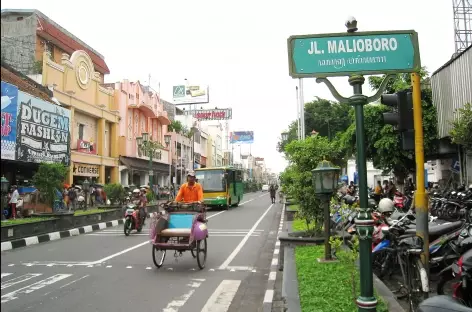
point(86, 188)
point(284, 136)
point(167, 139)
point(4, 184)
point(325, 180)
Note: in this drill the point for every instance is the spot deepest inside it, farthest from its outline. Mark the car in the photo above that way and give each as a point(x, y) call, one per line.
point(265, 188)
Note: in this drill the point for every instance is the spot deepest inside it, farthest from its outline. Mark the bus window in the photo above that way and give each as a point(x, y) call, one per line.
point(239, 176)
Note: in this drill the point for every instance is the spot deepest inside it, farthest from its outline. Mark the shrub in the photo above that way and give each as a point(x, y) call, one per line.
point(115, 192)
point(48, 179)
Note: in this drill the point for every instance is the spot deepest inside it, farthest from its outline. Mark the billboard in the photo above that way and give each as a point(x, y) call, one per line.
point(9, 116)
point(259, 158)
point(211, 114)
point(242, 137)
point(190, 94)
point(43, 131)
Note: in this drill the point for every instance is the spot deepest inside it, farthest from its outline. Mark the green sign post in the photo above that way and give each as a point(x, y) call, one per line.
point(355, 54)
point(342, 54)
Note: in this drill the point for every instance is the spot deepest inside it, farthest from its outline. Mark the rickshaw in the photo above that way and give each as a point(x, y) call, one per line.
point(180, 227)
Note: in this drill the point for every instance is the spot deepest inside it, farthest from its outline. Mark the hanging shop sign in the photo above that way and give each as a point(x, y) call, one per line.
point(86, 147)
point(211, 114)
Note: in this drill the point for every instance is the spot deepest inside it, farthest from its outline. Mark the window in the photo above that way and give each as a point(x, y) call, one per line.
point(81, 131)
point(239, 176)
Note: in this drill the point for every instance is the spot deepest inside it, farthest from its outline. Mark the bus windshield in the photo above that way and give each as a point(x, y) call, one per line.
point(212, 180)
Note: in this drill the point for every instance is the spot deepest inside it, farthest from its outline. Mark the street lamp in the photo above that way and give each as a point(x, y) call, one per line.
point(167, 140)
point(5, 183)
point(284, 136)
point(146, 144)
point(325, 179)
point(86, 188)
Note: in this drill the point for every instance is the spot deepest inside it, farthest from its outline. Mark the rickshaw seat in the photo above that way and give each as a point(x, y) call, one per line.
point(175, 232)
point(179, 225)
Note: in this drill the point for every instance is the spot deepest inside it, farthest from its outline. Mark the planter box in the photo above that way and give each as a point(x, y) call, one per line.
point(289, 213)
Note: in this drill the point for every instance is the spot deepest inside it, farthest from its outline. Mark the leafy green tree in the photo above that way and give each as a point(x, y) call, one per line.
point(304, 156)
point(115, 192)
point(325, 117)
point(175, 126)
point(48, 179)
point(461, 132)
point(383, 142)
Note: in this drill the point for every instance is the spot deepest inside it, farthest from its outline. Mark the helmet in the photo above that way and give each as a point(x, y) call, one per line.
point(385, 205)
point(136, 192)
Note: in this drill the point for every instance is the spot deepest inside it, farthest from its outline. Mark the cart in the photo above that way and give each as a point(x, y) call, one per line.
point(180, 227)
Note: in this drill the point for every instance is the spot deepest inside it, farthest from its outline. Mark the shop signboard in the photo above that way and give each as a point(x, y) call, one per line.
point(43, 133)
point(242, 137)
point(9, 116)
point(190, 94)
point(85, 170)
point(86, 147)
point(211, 114)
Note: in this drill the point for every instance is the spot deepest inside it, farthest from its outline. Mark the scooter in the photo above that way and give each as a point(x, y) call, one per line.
point(132, 221)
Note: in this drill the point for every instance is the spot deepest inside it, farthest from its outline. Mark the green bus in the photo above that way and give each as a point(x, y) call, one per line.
point(222, 186)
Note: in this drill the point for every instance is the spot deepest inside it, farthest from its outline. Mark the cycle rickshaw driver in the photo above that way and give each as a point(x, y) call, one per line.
point(191, 191)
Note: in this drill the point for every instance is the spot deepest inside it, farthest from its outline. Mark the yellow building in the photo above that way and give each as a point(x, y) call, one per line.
point(94, 127)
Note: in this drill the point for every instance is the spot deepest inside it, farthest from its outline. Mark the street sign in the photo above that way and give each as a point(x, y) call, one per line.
point(342, 54)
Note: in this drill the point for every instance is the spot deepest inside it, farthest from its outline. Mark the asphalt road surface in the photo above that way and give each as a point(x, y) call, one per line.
point(107, 271)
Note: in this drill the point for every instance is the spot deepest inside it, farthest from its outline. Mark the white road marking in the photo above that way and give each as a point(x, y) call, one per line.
point(74, 281)
point(222, 297)
point(120, 253)
point(239, 268)
point(275, 261)
point(30, 288)
point(276, 251)
point(148, 268)
point(5, 274)
point(272, 276)
point(215, 214)
point(129, 267)
point(269, 296)
point(108, 266)
point(176, 304)
point(143, 234)
point(12, 264)
point(244, 240)
point(277, 243)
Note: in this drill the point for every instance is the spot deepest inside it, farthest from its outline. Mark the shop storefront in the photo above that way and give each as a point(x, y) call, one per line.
point(33, 130)
point(136, 171)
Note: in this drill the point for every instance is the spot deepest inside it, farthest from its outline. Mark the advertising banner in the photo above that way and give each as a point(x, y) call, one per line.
point(191, 94)
point(9, 116)
point(242, 137)
point(86, 147)
point(211, 114)
point(259, 158)
point(43, 131)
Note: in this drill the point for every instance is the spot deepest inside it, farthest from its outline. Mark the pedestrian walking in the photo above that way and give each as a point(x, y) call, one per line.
point(72, 194)
point(14, 201)
point(272, 193)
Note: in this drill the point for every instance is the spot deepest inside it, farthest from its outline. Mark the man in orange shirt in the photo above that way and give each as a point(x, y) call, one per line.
point(191, 191)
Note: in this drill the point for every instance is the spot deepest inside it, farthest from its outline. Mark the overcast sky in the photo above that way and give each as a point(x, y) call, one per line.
point(239, 47)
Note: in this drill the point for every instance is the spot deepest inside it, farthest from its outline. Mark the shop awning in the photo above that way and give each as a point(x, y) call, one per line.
point(143, 165)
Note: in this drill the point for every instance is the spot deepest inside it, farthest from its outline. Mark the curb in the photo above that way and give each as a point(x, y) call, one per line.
point(43, 238)
point(269, 293)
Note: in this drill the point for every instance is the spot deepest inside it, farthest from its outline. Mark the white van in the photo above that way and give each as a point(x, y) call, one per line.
point(265, 188)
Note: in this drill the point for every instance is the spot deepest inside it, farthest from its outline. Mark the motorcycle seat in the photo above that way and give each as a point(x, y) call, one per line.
point(442, 304)
point(438, 230)
point(175, 232)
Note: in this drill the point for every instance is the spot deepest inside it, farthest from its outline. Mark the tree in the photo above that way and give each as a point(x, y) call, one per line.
point(325, 117)
point(461, 132)
point(175, 126)
point(304, 156)
point(48, 179)
point(383, 142)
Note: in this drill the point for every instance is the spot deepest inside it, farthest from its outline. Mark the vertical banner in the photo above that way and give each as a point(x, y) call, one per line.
point(9, 95)
point(43, 131)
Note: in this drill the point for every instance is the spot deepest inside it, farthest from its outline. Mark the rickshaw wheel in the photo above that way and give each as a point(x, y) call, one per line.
point(193, 252)
point(202, 249)
point(158, 262)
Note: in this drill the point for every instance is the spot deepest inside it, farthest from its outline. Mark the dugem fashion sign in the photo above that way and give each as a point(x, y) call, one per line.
point(342, 54)
point(43, 131)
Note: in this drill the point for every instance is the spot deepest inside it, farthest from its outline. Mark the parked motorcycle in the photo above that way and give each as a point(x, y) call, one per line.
point(442, 303)
point(132, 220)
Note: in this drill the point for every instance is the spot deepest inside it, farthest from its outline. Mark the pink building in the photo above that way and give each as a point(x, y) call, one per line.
point(141, 112)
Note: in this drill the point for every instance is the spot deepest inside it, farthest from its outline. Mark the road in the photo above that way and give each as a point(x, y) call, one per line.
point(107, 271)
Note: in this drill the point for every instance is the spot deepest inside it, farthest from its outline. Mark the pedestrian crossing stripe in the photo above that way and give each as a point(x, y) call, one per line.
point(219, 300)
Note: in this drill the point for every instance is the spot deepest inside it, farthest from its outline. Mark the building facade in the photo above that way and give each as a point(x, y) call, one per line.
point(94, 115)
point(141, 112)
point(452, 89)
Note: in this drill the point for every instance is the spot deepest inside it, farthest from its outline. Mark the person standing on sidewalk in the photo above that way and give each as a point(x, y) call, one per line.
point(72, 197)
point(14, 200)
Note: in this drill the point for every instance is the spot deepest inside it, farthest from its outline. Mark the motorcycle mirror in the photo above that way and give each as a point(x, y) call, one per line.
point(411, 217)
